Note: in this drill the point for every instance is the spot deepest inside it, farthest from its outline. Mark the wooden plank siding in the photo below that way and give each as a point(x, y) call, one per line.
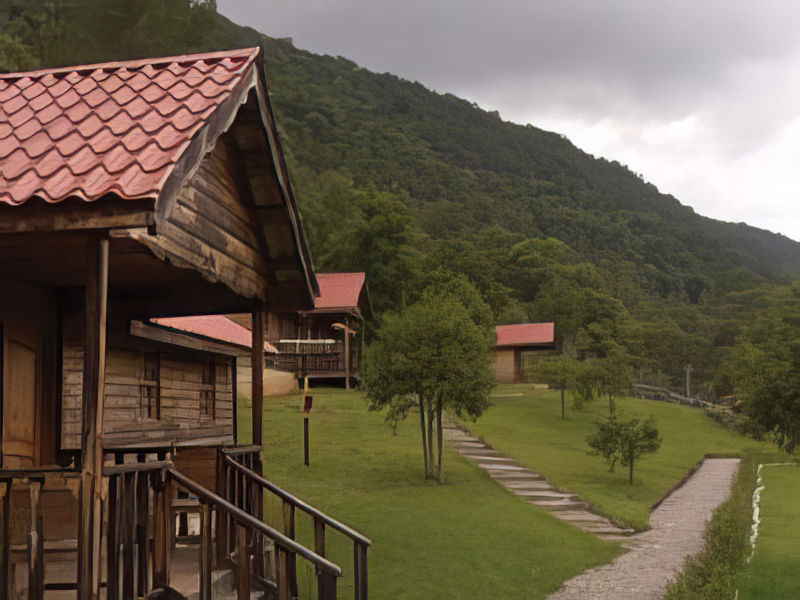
point(210, 228)
point(181, 386)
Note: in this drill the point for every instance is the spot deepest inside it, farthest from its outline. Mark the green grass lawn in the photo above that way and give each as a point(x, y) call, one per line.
point(773, 571)
point(466, 538)
point(526, 424)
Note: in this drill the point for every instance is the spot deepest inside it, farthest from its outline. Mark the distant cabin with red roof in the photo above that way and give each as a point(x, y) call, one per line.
point(327, 343)
point(515, 343)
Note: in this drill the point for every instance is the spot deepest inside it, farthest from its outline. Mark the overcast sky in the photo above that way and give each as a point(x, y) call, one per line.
point(702, 97)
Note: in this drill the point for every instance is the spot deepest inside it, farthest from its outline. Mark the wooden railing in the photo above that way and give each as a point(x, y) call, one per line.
point(34, 546)
point(129, 562)
point(250, 533)
point(247, 484)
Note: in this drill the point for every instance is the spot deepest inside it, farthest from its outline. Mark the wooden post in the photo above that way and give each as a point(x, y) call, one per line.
point(319, 536)
point(112, 538)
point(36, 545)
point(206, 552)
point(94, 366)
point(243, 564)
point(346, 354)
point(162, 532)
point(258, 376)
point(5, 542)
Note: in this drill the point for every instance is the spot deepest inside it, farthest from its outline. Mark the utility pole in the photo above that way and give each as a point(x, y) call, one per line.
point(688, 369)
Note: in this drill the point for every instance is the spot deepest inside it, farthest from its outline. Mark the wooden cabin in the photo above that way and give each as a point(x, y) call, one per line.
point(229, 335)
point(129, 191)
point(516, 344)
point(327, 343)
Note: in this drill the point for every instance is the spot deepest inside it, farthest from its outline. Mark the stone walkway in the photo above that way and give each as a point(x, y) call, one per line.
point(531, 486)
point(655, 556)
point(677, 527)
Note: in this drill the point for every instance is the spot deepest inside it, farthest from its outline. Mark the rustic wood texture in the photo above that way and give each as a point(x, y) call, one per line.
point(257, 363)
point(181, 386)
point(210, 229)
point(92, 421)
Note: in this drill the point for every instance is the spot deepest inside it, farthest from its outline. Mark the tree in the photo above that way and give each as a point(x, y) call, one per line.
point(559, 371)
point(624, 441)
point(435, 356)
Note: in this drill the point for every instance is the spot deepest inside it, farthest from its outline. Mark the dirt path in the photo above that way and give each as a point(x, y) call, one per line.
point(677, 527)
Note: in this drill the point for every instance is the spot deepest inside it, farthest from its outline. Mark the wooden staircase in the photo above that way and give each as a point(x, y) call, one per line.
point(227, 553)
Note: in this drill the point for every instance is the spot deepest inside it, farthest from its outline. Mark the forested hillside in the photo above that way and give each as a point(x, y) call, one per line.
point(400, 181)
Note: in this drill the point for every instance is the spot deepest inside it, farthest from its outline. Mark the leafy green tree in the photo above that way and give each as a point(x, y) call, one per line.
point(434, 356)
point(558, 371)
point(765, 368)
point(624, 441)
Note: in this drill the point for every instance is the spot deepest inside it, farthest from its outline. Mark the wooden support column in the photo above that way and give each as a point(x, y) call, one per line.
point(258, 376)
point(94, 367)
point(346, 353)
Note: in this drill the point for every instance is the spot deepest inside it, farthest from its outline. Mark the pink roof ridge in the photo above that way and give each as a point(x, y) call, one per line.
point(216, 327)
point(339, 290)
point(525, 334)
point(115, 128)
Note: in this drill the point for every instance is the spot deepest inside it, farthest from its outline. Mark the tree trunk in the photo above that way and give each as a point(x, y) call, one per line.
point(424, 439)
point(563, 410)
point(630, 472)
point(439, 439)
point(430, 441)
point(611, 407)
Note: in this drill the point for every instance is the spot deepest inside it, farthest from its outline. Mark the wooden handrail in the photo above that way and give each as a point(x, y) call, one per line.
point(298, 503)
point(243, 518)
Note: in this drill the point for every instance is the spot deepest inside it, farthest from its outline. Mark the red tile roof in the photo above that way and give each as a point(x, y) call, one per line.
point(115, 128)
point(525, 334)
point(339, 290)
point(216, 327)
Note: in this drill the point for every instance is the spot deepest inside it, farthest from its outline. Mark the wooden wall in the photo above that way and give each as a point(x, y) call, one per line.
point(505, 365)
point(210, 228)
point(181, 382)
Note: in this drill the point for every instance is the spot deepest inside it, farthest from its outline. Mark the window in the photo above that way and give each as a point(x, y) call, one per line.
point(150, 387)
point(208, 391)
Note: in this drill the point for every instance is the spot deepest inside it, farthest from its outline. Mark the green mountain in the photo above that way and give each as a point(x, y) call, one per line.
point(400, 181)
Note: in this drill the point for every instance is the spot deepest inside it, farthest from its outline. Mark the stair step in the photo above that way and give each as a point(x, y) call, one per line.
point(498, 467)
point(580, 516)
point(555, 504)
point(533, 484)
point(545, 494)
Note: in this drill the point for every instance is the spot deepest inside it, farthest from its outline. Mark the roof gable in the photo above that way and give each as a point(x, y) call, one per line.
point(339, 290)
point(114, 128)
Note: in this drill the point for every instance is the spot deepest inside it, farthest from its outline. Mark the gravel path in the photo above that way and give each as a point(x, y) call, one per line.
point(677, 527)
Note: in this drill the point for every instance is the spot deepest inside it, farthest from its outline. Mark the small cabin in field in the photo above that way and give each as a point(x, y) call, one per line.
point(327, 343)
point(515, 344)
point(132, 191)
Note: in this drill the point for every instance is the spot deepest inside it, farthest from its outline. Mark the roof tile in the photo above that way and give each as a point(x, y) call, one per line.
point(116, 128)
point(103, 141)
point(38, 144)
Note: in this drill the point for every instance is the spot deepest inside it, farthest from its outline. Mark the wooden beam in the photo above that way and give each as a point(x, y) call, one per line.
point(82, 218)
point(94, 365)
point(258, 375)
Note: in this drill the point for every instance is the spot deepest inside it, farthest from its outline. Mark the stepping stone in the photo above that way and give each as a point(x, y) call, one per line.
point(545, 494)
point(467, 445)
point(609, 530)
point(539, 484)
point(553, 504)
point(521, 476)
point(495, 467)
point(579, 516)
point(499, 459)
